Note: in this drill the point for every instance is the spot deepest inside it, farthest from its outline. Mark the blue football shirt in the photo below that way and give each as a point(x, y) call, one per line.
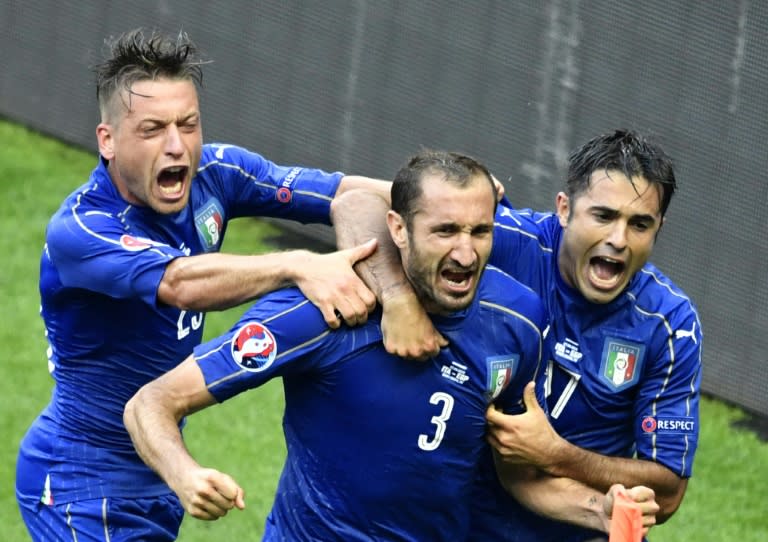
point(621, 378)
point(100, 269)
point(380, 448)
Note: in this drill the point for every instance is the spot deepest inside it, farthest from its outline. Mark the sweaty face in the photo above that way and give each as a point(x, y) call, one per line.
point(609, 233)
point(449, 242)
point(154, 146)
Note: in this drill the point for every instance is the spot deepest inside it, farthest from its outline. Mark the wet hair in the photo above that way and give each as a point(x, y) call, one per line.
point(455, 168)
point(626, 151)
point(135, 56)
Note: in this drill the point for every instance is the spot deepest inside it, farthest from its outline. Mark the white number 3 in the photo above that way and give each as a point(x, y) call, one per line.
point(424, 441)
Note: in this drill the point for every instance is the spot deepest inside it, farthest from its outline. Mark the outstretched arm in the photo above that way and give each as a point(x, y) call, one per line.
point(218, 281)
point(368, 184)
point(152, 418)
point(529, 439)
point(567, 500)
point(408, 331)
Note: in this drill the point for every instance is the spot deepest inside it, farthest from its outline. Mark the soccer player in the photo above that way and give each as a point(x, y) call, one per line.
point(623, 359)
point(379, 448)
point(129, 267)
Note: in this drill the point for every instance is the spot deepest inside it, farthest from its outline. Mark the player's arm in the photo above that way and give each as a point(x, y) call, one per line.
point(570, 501)
point(152, 418)
point(358, 213)
point(378, 187)
point(408, 331)
point(529, 439)
point(382, 188)
point(218, 281)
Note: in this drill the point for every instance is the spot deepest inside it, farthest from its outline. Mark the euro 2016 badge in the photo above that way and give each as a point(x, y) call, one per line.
point(621, 363)
point(254, 347)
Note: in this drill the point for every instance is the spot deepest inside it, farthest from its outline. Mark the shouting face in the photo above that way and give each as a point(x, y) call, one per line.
point(609, 232)
point(152, 138)
point(446, 246)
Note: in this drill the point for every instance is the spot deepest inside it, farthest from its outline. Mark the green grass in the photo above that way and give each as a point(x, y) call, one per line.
point(726, 500)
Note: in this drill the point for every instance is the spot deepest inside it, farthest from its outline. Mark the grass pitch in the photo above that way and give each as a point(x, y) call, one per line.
point(726, 500)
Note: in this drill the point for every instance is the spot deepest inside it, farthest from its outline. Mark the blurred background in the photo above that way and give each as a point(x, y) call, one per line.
point(358, 85)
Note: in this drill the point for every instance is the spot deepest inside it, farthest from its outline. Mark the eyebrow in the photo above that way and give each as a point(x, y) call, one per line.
point(157, 120)
point(614, 212)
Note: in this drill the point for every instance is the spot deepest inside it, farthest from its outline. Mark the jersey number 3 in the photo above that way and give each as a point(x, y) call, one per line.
point(425, 442)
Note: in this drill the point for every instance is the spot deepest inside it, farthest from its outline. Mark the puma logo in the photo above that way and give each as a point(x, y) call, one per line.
point(683, 333)
point(220, 150)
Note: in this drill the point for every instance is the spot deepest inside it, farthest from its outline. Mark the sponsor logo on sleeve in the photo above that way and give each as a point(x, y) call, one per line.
point(668, 425)
point(501, 370)
point(254, 347)
point(220, 150)
point(690, 334)
point(284, 195)
point(136, 244)
point(648, 424)
point(284, 192)
point(621, 363)
point(47, 497)
point(209, 222)
point(506, 211)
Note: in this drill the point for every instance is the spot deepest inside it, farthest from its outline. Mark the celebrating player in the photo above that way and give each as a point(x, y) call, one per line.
point(130, 265)
point(623, 359)
point(379, 448)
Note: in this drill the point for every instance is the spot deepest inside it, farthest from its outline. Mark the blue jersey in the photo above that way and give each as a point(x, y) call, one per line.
point(101, 266)
point(380, 448)
point(621, 378)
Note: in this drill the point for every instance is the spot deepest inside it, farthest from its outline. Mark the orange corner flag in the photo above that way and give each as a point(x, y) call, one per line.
point(626, 520)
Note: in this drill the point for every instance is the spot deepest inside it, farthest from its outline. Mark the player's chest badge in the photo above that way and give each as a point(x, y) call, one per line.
point(501, 370)
point(209, 221)
point(621, 363)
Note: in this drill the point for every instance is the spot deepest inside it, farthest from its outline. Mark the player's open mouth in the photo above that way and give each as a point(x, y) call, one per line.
point(171, 181)
point(457, 281)
point(605, 273)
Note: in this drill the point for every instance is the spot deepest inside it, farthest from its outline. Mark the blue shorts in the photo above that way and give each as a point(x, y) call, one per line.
point(115, 519)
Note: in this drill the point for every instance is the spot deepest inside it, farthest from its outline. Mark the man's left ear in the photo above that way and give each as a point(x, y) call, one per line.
point(105, 141)
point(563, 207)
point(397, 229)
